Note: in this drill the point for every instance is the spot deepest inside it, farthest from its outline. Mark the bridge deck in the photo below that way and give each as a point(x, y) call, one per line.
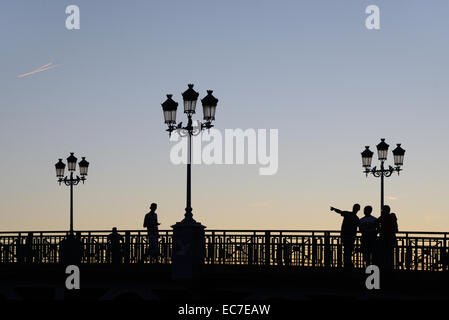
point(219, 283)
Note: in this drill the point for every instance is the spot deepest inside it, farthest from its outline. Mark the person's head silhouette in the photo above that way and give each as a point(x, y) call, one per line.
point(367, 210)
point(114, 230)
point(356, 208)
point(386, 210)
point(153, 206)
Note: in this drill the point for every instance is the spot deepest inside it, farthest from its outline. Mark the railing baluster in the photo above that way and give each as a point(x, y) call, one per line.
point(267, 248)
point(314, 249)
point(327, 250)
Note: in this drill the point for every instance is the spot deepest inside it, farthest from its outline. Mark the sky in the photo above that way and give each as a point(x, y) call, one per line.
point(310, 69)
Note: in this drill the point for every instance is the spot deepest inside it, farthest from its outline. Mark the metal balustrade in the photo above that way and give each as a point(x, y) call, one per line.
point(428, 251)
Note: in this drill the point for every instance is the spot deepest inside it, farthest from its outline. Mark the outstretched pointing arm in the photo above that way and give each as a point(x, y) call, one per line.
point(339, 211)
point(336, 210)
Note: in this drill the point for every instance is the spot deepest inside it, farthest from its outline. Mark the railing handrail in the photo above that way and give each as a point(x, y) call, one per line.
point(216, 230)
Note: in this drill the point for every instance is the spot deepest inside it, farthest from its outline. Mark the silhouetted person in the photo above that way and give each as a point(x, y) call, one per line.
point(150, 222)
point(368, 227)
point(29, 252)
point(287, 252)
point(348, 232)
point(115, 246)
point(388, 227)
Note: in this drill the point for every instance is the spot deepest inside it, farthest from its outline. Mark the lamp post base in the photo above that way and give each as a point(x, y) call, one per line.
point(188, 249)
point(71, 250)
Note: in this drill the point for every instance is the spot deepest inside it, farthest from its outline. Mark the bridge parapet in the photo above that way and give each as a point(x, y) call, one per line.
point(428, 251)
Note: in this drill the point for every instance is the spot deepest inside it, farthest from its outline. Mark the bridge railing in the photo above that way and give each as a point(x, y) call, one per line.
point(413, 250)
point(45, 247)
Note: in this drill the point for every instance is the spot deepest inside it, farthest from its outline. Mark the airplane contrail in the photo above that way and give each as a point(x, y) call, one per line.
point(43, 68)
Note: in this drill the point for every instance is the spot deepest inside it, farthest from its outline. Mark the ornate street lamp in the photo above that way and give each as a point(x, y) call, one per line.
point(71, 181)
point(169, 107)
point(190, 97)
point(367, 157)
point(84, 166)
point(382, 153)
point(209, 103)
point(398, 154)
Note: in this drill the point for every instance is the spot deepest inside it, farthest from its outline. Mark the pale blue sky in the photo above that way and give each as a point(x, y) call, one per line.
point(308, 68)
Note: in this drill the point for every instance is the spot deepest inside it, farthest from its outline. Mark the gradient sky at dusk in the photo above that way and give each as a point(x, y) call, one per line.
point(307, 68)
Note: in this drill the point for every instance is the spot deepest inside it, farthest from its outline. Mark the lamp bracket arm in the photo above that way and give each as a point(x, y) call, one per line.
point(376, 173)
point(183, 132)
point(206, 125)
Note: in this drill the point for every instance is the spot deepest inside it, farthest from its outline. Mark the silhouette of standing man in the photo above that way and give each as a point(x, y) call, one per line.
point(368, 227)
point(388, 227)
point(29, 252)
point(348, 232)
point(151, 224)
point(115, 246)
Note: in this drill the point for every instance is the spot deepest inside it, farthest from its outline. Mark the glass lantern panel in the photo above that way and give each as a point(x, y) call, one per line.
point(399, 160)
point(72, 166)
point(382, 154)
point(83, 171)
point(173, 116)
point(60, 173)
point(212, 112)
point(189, 106)
point(206, 111)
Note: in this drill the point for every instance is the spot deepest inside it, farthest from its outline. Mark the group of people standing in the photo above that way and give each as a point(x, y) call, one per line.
point(378, 235)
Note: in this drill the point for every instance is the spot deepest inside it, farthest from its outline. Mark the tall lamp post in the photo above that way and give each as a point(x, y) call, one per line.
point(188, 234)
point(382, 172)
point(71, 180)
point(169, 108)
